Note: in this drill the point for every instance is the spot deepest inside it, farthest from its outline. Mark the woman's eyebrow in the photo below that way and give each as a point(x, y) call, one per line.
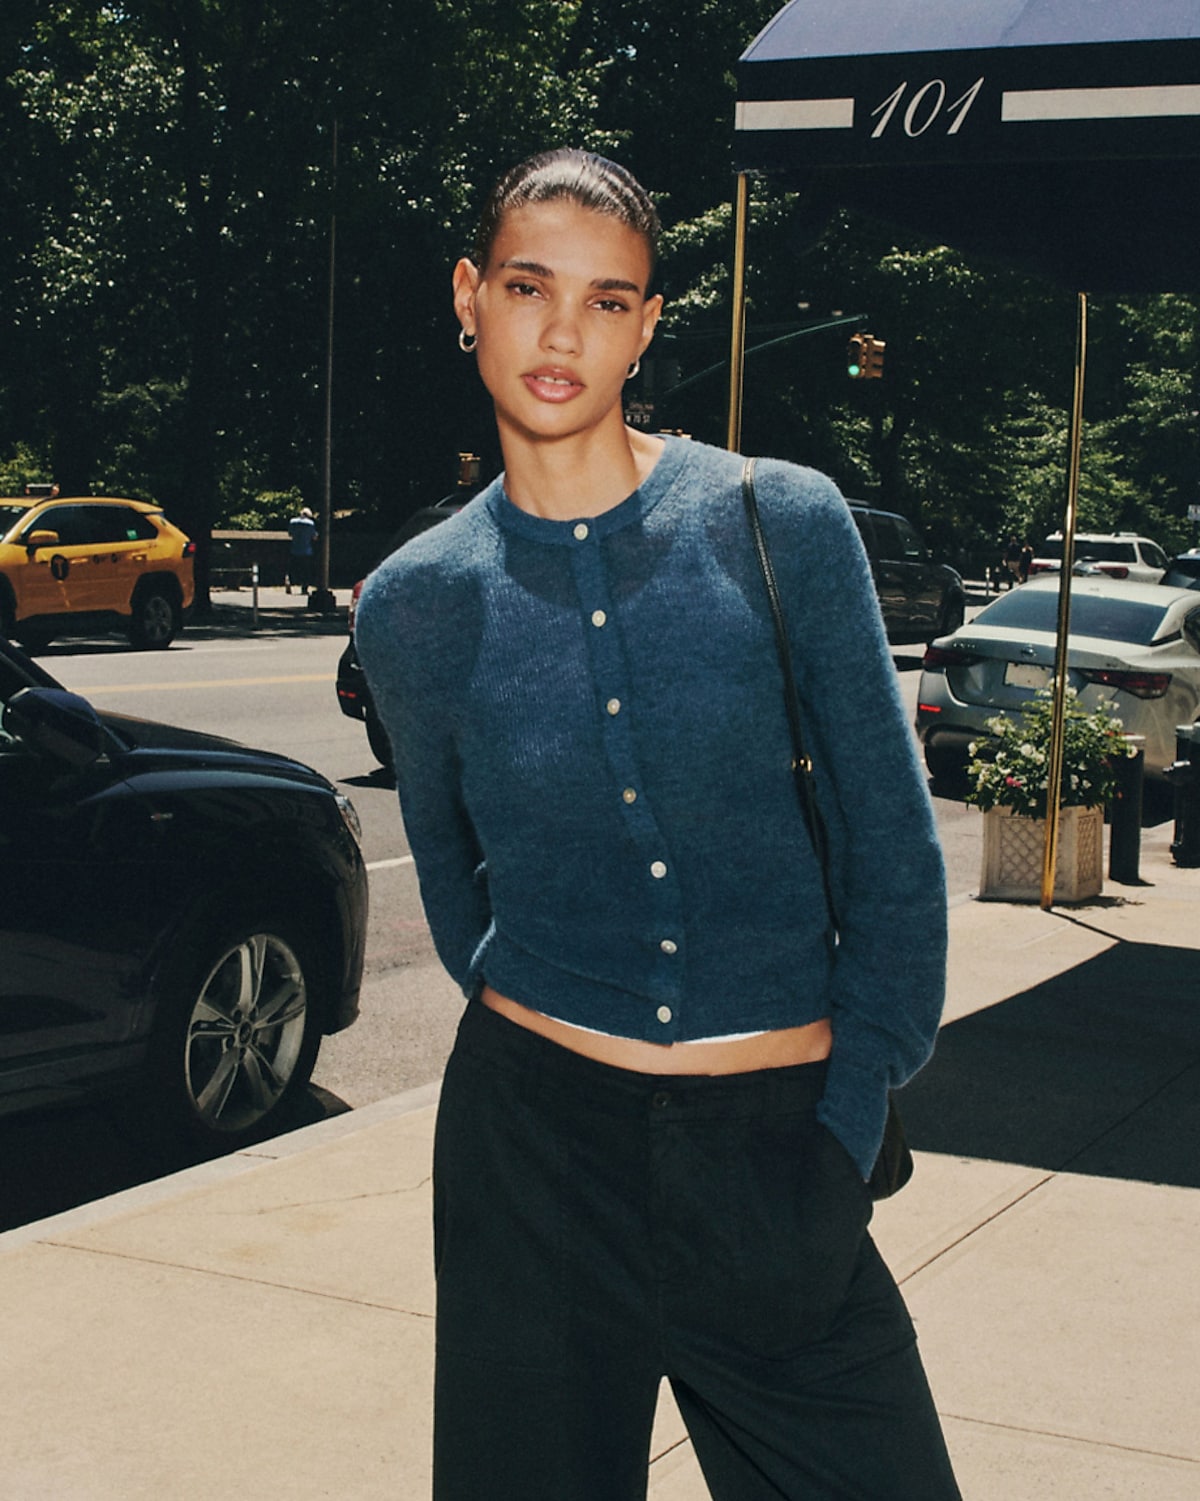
point(531, 268)
point(601, 284)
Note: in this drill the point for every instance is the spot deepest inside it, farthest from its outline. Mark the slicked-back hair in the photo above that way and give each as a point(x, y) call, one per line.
point(581, 177)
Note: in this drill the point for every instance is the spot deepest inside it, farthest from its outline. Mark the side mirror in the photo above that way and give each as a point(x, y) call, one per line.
point(41, 539)
point(57, 724)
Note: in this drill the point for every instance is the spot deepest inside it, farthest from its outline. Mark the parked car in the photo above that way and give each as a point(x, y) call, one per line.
point(1119, 555)
point(183, 917)
point(353, 694)
point(73, 565)
point(1183, 571)
point(1134, 647)
point(919, 598)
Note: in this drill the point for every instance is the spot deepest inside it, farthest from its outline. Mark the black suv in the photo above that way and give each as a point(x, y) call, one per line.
point(920, 599)
point(353, 695)
point(181, 917)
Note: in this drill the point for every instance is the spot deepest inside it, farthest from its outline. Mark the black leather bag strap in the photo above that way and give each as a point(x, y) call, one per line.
point(894, 1165)
point(802, 766)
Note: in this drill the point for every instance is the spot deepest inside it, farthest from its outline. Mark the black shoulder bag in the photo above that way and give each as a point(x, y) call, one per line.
point(894, 1165)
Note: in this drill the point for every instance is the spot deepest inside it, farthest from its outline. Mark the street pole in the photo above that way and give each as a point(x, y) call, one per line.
point(1058, 708)
point(737, 346)
point(322, 598)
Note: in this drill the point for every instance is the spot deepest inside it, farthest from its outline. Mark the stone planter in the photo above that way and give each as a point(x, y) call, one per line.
point(1013, 850)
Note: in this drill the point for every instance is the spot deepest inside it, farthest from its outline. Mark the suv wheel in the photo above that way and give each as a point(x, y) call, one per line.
point(8, 613)
point(155, 620)
point(953, 614)
point(947, 765)
point(34, 638)
point(377, 739)
point(236, 1041)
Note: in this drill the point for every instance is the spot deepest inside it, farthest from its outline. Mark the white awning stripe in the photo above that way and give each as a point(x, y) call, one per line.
point(1101, 104)
point(794, 114)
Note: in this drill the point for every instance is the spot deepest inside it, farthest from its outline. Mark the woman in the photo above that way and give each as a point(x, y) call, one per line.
point(665, 1095)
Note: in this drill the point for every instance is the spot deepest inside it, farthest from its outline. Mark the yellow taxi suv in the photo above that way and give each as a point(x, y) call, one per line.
point(76, 565)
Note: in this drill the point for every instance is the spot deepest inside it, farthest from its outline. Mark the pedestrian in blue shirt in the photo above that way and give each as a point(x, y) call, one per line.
point(302, 538)
point(668, 1088)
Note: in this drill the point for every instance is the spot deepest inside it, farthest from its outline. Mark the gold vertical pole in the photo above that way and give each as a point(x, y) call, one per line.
point(737, 348)
point(1058, 713)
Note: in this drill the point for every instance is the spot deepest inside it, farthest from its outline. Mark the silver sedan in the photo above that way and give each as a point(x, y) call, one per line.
point(1133, 647)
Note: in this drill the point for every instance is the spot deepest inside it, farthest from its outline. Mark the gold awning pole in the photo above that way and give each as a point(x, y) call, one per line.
point(1058, 714)
point(737, 349)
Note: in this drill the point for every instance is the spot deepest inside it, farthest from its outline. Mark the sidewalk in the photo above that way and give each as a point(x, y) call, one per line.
point(263, 1325)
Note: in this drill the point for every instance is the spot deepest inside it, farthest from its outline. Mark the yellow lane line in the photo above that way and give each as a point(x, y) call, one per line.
point(300, 677)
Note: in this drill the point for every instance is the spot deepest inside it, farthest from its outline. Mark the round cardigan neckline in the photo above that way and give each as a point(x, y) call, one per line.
point(632, 509)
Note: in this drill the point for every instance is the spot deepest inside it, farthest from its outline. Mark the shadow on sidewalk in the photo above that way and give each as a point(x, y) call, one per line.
point(1096, 1071)
point(57, 1159)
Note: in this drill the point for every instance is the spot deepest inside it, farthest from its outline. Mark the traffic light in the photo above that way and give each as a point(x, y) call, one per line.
point(855, 357)
point(864, 357)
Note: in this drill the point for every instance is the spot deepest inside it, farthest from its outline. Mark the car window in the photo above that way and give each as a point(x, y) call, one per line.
point(1154, 555)
point(911, 545)
point(1184, 573)
point(1105, 552)
point(10, 515)
point(863, 521)
point(90, 526)
point(123, 524)
point(1110, 618)
point(887, 534)
point(1191, 629)
point(67, 521)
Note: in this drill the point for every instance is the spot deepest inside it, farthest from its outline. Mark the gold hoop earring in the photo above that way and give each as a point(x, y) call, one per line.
point(633, 369)
point(466, 341)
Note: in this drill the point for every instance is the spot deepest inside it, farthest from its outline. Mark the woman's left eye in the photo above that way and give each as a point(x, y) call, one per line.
point(611, 305)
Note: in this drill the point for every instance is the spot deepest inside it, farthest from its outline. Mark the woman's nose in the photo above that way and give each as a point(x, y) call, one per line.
point(561, 332)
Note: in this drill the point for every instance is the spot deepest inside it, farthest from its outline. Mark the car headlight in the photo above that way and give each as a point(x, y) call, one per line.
point(349, 815)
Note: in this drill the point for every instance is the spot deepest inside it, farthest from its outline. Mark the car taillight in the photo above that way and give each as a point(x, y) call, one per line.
point(937, 657)
point(189, 549)
point(1140, 684)
point(1114, 570)
point(352, 608)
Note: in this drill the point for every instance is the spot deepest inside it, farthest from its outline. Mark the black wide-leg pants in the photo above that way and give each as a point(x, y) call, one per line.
point(596, 1229)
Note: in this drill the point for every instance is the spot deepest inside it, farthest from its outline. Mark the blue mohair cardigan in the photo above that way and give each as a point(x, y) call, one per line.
point(594, 768)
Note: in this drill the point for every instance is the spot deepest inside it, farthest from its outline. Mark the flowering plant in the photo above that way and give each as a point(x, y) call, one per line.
point(1012, 769)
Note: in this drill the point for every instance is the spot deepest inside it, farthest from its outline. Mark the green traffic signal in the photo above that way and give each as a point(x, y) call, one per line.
point(864, 357)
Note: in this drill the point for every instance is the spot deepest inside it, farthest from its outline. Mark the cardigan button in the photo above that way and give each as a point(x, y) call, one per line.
point(669, 946)
point(581, 531)
point(664, 1014)
point(598, 618)
point(658, 870)
point(630, 795)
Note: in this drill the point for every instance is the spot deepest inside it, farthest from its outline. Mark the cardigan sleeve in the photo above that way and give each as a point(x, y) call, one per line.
point(396, 635)
point(886, 863)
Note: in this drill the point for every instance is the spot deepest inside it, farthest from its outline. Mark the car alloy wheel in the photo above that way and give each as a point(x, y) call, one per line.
point(249, 1038)
point(155, 620)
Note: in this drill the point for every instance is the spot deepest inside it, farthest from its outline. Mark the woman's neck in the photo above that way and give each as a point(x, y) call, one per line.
point(579, 476)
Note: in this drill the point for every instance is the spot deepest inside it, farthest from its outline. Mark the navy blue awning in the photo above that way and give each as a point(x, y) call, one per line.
point(1060, 134)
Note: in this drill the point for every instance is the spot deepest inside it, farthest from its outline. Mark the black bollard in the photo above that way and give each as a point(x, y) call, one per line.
point(1184, 776)
point(1125, 815)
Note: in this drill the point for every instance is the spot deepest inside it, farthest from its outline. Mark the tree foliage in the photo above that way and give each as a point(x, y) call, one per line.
point(181, 174)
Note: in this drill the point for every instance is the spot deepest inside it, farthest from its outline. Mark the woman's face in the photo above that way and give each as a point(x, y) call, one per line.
point(560, 313)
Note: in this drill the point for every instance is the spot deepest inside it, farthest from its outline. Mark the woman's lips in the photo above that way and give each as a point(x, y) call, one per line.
point(552, 385)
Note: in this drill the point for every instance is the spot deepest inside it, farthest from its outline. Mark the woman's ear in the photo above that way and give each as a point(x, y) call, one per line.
point(651, 312)
point(466, 280)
